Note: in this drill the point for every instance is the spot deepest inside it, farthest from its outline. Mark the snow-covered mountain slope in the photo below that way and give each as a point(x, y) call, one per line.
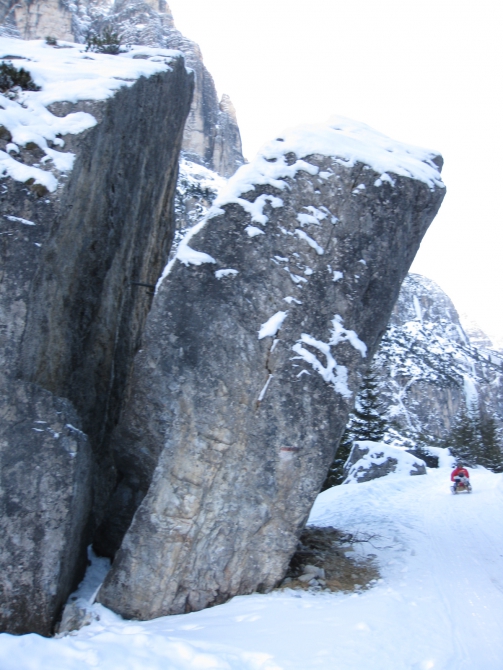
point(429, 369)
point(211, 133)
point(437, 606)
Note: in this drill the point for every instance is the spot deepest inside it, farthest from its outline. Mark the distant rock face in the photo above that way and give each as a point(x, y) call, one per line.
point(211, 134)
point(37, 20)
point(428, 367)
point(372, 460)
point(251, 358)
point(86, 218)
point(475, 333)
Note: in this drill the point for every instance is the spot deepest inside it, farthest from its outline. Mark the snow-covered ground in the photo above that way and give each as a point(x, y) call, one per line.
point(439, 605)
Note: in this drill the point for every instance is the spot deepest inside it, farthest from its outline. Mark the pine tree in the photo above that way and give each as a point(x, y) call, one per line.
point(463, 440)
point(366, 422)
point(490, 455)
point(475, 440)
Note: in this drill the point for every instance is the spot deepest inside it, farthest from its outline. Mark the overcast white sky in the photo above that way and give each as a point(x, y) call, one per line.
point(428, 72)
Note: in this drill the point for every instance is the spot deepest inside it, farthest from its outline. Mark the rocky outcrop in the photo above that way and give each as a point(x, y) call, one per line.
point(372, 460)
point(252, 354)
point(475, 333)
point(429, 369)
point(211, 134)
point(83, 231)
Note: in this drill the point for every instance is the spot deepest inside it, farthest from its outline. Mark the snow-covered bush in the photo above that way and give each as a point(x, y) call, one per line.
point(11, 76)
point(476, 440)
point(109, 42)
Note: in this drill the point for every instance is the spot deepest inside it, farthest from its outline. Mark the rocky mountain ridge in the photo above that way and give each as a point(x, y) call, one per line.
point(211, 135)
point(429, 369)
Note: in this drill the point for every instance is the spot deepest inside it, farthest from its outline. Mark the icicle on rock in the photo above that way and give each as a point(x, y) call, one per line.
point(252, 356)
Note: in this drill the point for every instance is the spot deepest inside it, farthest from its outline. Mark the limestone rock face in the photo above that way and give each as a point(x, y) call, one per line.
point(211, 134)
point(40, 18)
point(252, 354)
point(77, 240)
point(372, 460)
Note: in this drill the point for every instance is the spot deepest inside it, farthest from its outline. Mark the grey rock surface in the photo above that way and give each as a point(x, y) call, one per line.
point(45, 501)
point(211, 135)
point(113, 232)
point(372, 460)
point(252, 353)
point(71, 318)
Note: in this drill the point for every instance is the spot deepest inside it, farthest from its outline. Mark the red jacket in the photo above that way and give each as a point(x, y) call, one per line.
point(463, 472)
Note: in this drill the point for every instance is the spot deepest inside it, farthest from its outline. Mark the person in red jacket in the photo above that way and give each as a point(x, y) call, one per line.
point(459, 474)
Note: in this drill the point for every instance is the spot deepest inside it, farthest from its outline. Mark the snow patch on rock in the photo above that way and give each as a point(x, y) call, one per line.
point(253, 231)
point(332, 373)
point(229, 272)
point(272, 325)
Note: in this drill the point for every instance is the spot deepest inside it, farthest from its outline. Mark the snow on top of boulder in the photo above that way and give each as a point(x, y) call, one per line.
point(350, 142)
point(65, 73)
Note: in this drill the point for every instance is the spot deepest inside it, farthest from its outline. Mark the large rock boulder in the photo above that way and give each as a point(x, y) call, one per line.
point(372, 460)
point(90, 165)
point(252, 355)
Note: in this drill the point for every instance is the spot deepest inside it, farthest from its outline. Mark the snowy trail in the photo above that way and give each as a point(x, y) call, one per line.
point(474, 560)
point(439, 605)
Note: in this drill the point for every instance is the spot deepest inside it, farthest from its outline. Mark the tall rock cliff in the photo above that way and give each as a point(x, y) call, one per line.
point(251, 358)
point(211, 134)
point(429, 369)
point(89, 167)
